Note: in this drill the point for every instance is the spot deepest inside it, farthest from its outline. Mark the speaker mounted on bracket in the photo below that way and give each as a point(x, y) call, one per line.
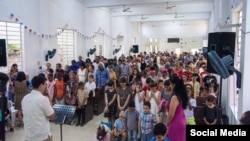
point(223, 43)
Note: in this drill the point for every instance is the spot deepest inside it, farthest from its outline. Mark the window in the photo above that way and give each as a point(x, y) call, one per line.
point(65, 49)
point(178, 51)
point(99, 43)
point(11, 32)
point(193, 50)
point(152, 45)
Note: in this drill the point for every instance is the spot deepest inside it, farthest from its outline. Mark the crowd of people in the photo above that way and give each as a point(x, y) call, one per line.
point(140, 92)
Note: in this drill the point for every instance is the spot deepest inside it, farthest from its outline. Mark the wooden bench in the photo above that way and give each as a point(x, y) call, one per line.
point(89, 109)
point(200, 100)
point(198, 115)
point(98, 101)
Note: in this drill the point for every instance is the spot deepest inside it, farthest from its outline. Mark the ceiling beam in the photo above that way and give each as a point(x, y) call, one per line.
point(189, 8)
point(171, 17)
point(112, 3)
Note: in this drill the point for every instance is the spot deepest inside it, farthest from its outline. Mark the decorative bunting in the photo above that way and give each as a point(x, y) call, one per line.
point(11, 16)
point(50, 36)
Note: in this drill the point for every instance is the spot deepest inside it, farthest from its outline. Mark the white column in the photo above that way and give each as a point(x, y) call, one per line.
point(244, 95)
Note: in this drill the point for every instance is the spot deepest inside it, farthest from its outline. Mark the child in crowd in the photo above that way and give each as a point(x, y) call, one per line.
point(119, 128)
point(112, 75)
point(146, 86)
point(8, 121)
point(164, 72)
point(110, 102)
point(90, 85)
point(210, 111)
point(131, 121)
point(167, 92)
point(147, 120)
point(143, 78)
point(160, 85)
point(162, 112)
point(82, 97)
point(245, 118)
point(153, 75)
point(139, 97)
point(160, 132)
point(154, 96)
point(60, 90)
point(73, 84)
point(50, 83)
point(29, 82)
point(189, 112)
point(203, 91)
point(213, 88)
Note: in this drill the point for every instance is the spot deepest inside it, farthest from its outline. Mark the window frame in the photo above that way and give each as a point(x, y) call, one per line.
point(65, 46)
point(13, 33)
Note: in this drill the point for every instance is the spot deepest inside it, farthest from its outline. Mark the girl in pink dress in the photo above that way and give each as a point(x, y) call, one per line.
point(50, 88)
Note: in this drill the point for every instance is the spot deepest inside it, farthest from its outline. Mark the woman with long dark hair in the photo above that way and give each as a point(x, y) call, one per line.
point(20, 90)
point(176, 120)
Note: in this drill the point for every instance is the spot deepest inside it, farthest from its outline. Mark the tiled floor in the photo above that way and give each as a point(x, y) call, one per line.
point(70, 132)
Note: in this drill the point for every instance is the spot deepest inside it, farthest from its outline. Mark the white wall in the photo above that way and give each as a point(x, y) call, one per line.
point(120, 26)
point(44, 16)
point(99, 18)
point(244, 96)
point(192, 34)
point(185, 44)
point(32, 43)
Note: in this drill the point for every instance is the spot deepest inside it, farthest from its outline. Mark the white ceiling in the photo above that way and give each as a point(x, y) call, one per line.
point(157, 20)
point(155, 10)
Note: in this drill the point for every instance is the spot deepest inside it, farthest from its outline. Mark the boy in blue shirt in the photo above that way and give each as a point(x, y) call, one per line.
point(119, 128)
point(160, 132)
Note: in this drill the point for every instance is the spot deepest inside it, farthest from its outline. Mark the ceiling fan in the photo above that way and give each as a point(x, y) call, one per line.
point(168, 6)
point(143, 18)
point(176, 16)
point(126, 9)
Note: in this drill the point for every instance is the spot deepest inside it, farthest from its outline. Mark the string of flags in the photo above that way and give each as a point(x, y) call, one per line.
point(54, 35)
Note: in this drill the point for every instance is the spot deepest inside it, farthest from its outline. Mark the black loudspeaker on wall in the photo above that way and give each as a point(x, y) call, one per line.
point(3, 58)
point(223, 43)
point(135, 48)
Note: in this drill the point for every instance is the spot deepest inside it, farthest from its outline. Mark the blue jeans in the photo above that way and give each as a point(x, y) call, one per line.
point(147, 137)
point(132, 135)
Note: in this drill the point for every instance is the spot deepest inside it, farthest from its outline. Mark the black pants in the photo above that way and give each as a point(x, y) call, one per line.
point(81, 114)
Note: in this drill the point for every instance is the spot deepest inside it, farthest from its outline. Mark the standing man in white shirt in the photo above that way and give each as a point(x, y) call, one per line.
point(37, 111)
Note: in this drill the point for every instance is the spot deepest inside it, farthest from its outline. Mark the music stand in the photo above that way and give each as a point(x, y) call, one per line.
point(64, 110)
point(64, 114)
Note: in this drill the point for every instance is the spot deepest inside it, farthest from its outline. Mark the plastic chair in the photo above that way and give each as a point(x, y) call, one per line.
point(13, 112)
point(108, 124)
